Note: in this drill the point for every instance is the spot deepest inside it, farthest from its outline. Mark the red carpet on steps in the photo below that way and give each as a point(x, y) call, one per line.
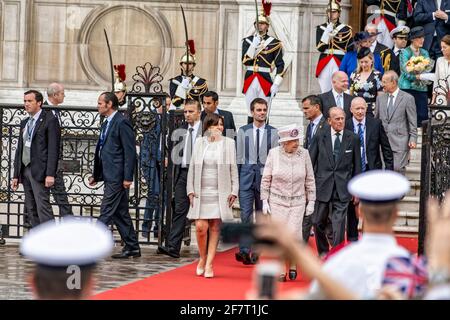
point(231, 281)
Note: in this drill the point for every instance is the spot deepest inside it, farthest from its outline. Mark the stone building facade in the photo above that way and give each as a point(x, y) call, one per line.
point(62, 40)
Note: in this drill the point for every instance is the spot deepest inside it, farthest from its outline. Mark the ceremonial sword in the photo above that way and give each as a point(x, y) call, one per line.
point(110, 60)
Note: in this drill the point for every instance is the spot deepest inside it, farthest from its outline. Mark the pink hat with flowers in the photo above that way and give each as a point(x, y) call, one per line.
point(288, 133)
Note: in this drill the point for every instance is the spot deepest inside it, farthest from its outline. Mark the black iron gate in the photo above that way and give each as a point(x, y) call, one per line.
point(152, 186)
point(435, 162)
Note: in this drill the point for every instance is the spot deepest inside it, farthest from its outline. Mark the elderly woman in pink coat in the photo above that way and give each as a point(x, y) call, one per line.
point(288, 189)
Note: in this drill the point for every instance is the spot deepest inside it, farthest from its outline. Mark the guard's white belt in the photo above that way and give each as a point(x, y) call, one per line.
point(332, 51)
point(385, 12)
point(258, 69)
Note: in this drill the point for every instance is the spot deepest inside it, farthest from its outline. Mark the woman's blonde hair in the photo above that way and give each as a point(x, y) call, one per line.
point(370, 55)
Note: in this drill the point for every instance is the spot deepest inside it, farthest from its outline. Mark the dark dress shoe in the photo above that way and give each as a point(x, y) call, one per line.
point(282, 277)
point(127, 254)
point(239, 257)
point(292, 274)
point(167, 252)
point(244, 258)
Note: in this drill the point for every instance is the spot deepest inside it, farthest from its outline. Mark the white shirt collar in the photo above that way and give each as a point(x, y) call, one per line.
point(195, 126)
point(317, 120)
point(356, 122)
point(372, 47)
point(395, 93)
point(37, 115)
point(333, 133)
point(335, 93)
point(262, 127)
point(111, 116)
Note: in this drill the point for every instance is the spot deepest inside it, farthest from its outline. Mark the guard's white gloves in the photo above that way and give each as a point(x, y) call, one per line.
point(186, 83)
point(266, 207)
point(256, 41)
point(310, 208)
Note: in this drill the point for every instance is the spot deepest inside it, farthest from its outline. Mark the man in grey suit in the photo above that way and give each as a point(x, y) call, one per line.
point(251, 157)
point(336, 158)
point(397, 111)
point(114, 163)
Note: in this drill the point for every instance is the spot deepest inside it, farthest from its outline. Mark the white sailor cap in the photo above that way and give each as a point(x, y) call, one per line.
point(401, 31)
point(75, 241)
point(379, 186)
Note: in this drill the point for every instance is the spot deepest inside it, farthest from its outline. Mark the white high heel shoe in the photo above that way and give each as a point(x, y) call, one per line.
point(209, 273)
point(200, 271)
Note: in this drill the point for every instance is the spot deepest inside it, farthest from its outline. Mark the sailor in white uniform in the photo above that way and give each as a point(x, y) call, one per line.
point(66, 254)
point(360, 266)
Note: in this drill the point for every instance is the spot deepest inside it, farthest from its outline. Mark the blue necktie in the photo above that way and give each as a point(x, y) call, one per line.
point(363, 148)
point(103, 132)
point(309, 134)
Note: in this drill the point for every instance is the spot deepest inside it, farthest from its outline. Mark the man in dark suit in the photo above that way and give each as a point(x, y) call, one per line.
point(210, 105)
point(36, 158)
point(372, 138)
point(405, 13)
point(400, 37)
point(311, 109)
point(55, 94)
point(433, 15)
point(337, 96)
point(336, 156)
point(378, 48)
point(254, 142)
point(181, 156)
point(114, 163)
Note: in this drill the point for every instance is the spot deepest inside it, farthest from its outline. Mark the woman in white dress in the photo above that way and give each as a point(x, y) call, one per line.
point(212, 188)
point(442, 74)
point(288, 188)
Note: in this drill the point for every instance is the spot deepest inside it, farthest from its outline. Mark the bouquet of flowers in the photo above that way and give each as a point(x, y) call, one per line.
point(421, 66)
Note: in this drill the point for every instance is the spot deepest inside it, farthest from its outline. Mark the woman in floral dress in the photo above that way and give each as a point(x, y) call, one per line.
point(365, 82)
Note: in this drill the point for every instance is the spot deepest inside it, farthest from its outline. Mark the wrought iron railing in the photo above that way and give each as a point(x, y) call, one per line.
point(435, 161)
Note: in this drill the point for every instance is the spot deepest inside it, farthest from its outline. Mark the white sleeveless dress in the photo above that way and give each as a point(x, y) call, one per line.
point(209, 194)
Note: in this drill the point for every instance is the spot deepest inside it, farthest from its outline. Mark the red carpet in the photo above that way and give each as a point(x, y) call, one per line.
point(231, 281)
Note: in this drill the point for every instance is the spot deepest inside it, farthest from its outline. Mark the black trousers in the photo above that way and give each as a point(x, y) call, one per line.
point(176, 233)
point(338, 217)
point(114, 208)
point(60, 195)
point(352, 223)
point(308, 224)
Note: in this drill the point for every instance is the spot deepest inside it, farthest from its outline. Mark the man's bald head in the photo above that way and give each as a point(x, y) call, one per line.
point(340, 81)
point(359, 108)
point(55, 93)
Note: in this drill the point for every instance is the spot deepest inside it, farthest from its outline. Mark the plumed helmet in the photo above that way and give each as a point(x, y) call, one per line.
point(191, 49)
point(334, 5)
point(264, 16)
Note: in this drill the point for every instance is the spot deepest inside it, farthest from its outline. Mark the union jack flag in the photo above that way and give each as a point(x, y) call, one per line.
point(408, 274)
